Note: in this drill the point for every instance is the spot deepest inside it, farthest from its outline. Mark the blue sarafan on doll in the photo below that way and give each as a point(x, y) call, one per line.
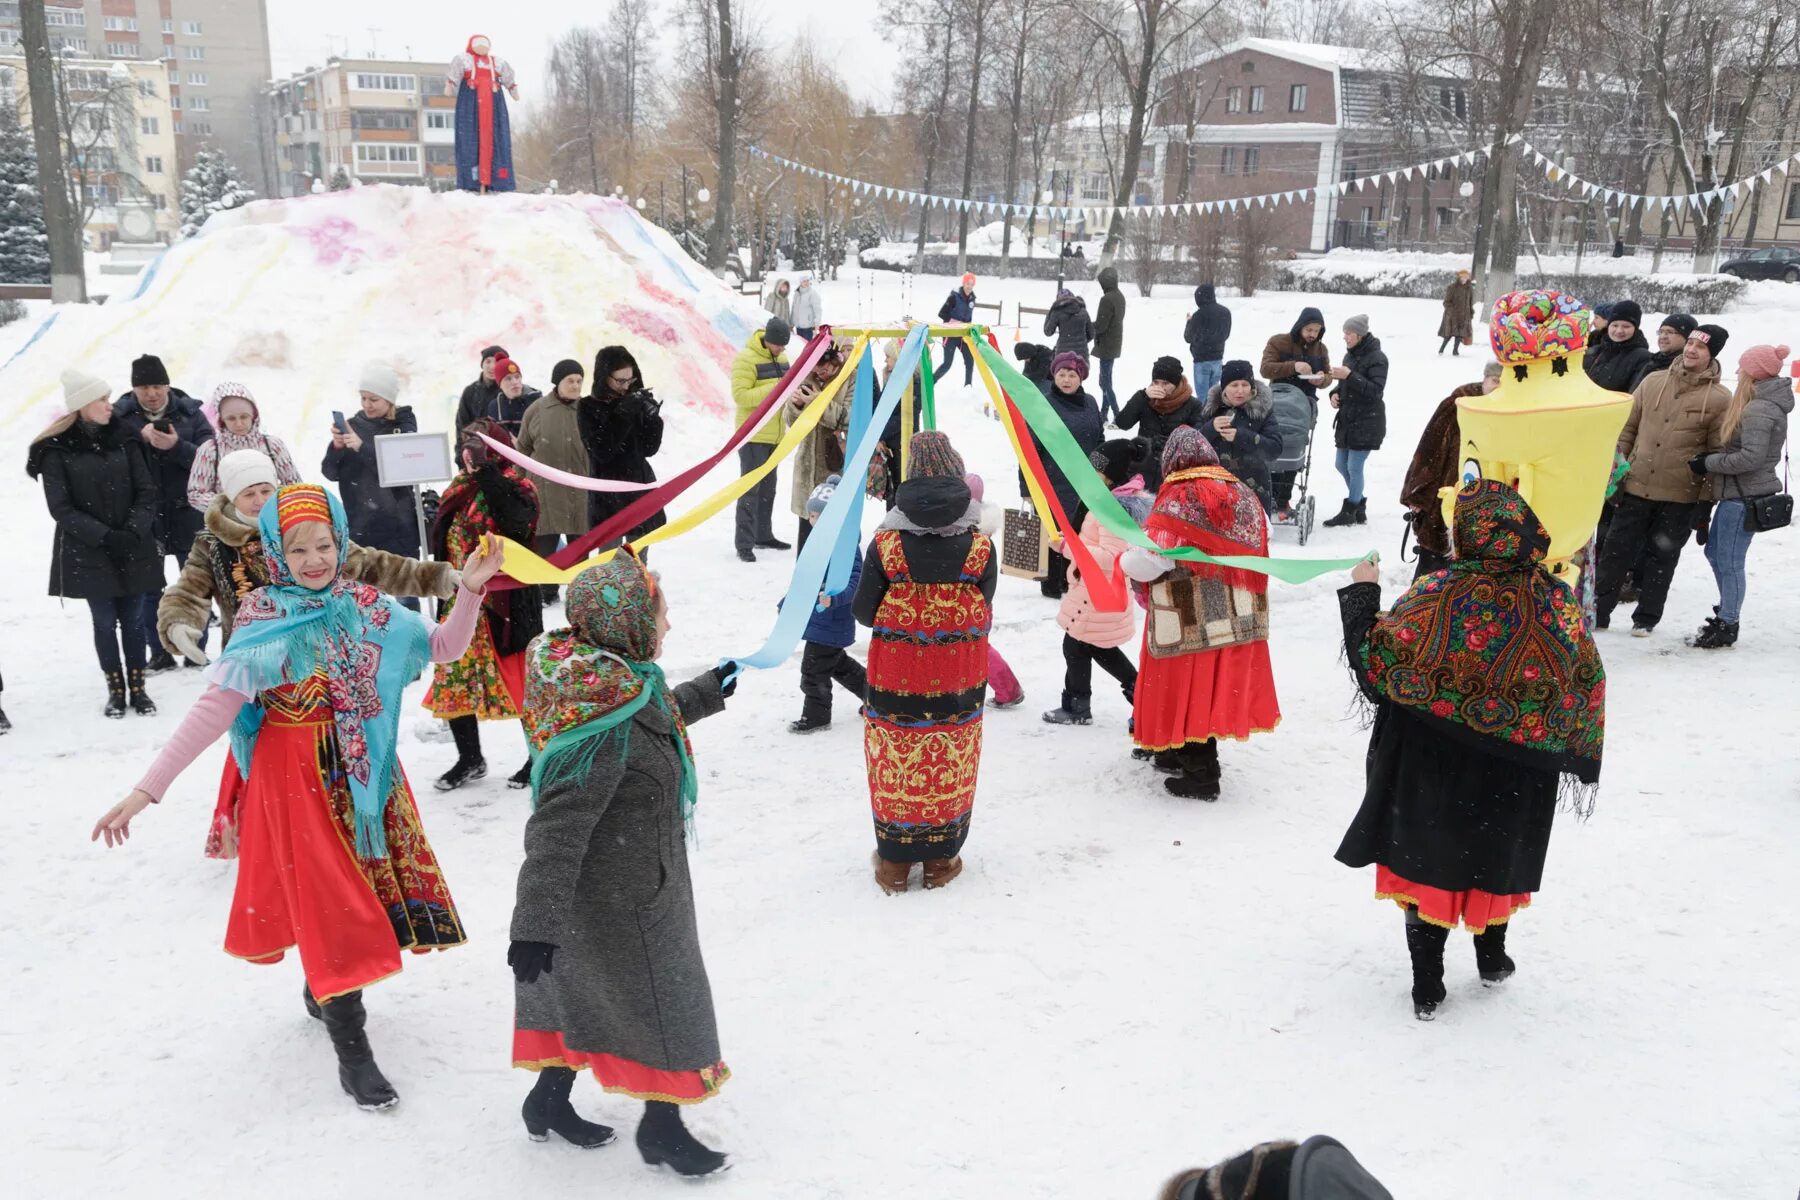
point(1547, 430)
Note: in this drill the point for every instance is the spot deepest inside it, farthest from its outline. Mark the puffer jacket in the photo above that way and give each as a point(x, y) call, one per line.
point(102, 494)
point(1618, 366)
point(1361, 422)
point(1675, 414)
point(836, 624)
point(1077, 614)
point(1258, 442)
point(754, 373)
point(808, 308)
point(1068, 322)
point(1745, 466)
point(1109, 317)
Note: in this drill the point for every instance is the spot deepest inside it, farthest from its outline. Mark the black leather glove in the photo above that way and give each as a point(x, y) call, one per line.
point(528, 960)
point(1697, 464)
point(1702, 524)
point(119, 541)
point(723, 672)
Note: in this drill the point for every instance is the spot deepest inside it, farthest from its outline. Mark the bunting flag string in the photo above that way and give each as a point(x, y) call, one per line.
point(1102, 214)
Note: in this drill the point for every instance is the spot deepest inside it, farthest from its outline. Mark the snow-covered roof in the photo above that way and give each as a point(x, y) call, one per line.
point(1317, 54)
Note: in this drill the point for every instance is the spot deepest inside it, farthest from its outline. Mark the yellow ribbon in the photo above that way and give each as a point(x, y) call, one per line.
point(1012, 435)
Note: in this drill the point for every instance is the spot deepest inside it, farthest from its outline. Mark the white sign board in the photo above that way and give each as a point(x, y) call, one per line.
point(408, 459)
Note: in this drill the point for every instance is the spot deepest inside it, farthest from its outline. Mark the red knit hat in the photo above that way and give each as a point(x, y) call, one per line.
point(504, 366)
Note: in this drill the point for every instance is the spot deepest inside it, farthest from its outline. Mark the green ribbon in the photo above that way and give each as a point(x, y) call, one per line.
point(927, 400)
point(1059, 446)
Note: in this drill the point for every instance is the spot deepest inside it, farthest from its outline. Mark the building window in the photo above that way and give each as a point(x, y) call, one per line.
point(199, 102)
point(148, 126)
point(196, 78)
point(195, 51)
point(440, 118)
point(385, 83)
point(1252, 158)
point(178, 126)
point(160, 201)
point(8, 37)
point(175, 78)
point(153, 165)
point(191, 28)
point(386, 158)
point(381, 119)
point(1234, 99)
point(440, 156)
point(175, 103)
point(69, 41)
point(64, 16)
point(1256, 99)
point(122, 49)
point(168, 26)
point(146, 88)
point(1793, 204)
point(200, 127)
point(1228, 160)
point(1297, 98)
point(119, 24)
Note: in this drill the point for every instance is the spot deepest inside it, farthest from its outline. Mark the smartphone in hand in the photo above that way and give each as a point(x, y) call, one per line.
point(338, 422)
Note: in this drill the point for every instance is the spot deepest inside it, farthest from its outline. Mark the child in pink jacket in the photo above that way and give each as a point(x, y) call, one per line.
point(1003, 686)
point(1090, 635)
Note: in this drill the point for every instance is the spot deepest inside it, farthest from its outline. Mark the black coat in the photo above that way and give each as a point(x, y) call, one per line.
point(1068, 322)
point(1619, 366)
point(1109, 317)
point(381, 518)
point(1258, 442)
point(509, 413)
point(621, 435)
point(1141, 415)
point(1435, 811)
point(97, 485)
point(1208, 327)
point(1034, 361)
point(1361, 422)
point(177, 521)
point(1081, 416)
point(474, 403)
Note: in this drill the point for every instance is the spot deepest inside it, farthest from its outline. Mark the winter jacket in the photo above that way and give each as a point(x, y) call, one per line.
point(1745, 465)
point(1258, 442)
point(176, 520)
point(1068, 322)
point(754, 373)
point(100, 492)
point(1618, 366)
point(203, 480)
point(933, 502)
point(1675, 414)
point(1285, 357)
point(474, 403)
point(380, 517)
point(813, 460)
point(1034, 361)
point(551, 433)
point(781, 305)
point(226, 564)
point(1141, 415)
point(1458, 320)
point(1109, 318)
point(1080, 414)
point(606, 881)
point(1361, 422)
point(836, 625)
point(510, 414)
point(1435, 464)
point(1076, 613)
point(621, 435)
point(957, 307)
point(1208, 327)
point(1660, 360)
point(808, 308)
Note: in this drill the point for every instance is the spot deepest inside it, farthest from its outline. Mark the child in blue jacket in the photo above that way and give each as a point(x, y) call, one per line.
point(829, 635)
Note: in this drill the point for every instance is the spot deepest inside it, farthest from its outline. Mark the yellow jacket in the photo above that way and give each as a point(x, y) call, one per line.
point(754, 373)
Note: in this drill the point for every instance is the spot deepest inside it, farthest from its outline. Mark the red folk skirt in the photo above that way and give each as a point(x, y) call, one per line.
point(1225, 693)
point(535, 1049)
point(1474, 908)
point(300, 883)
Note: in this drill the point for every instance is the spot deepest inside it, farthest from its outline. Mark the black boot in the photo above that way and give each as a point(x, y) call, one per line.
point(1425, 945)
point(1200, 775)
point(1490, 956)
point(115, 695)
point(161, 661)
point(1076, 710)
point(520, 778)
point(663, 1139)
point(1717, 635)
point(466, 731)
point(362, 1079)
point(141, 704)
point(312, 1006)
point(810, 722)
point(5, 724)
point(547, 1110)
point(1345, 516)
point(1362, 512)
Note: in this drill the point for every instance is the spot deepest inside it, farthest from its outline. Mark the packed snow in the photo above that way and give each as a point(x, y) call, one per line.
point(1121, 984)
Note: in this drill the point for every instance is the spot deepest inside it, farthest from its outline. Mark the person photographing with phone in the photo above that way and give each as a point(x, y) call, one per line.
point(380, 518)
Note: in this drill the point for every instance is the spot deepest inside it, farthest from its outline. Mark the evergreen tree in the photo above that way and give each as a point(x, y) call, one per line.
point(340, 180)
point(24, 242)
point(809, 241)
point(210, 186)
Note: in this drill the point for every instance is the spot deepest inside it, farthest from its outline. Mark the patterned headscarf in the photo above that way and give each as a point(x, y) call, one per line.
point(1201, 504)
point(932, 454)
point(1495, 649)
point(367, 647)
point(1527, 326)
point(584, 683)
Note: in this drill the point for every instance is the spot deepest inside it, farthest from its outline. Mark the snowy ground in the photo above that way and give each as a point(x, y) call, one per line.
point(1120, 985)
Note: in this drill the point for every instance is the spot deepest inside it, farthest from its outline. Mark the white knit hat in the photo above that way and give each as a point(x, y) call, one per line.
point(245, 468)
point(228, 390)
point(81, 389)
point(379, 379)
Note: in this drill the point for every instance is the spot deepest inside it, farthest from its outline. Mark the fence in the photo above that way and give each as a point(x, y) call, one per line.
point(999, 316)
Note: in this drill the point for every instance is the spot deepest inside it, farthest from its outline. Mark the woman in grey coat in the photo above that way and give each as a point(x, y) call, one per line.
point(605, 949)
point(1755, 433)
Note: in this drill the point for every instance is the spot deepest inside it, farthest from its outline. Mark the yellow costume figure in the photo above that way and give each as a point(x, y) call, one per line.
point(1547, 430)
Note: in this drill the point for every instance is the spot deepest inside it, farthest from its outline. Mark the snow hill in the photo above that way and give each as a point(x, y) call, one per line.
point(292, 296)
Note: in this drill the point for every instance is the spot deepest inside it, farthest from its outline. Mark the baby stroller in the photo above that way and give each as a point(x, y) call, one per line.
point(1291, 471)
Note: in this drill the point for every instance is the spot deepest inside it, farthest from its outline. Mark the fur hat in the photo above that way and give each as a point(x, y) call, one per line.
point(1681, 323)
point(932, 454)
point(1166, 369)
point(1762, 362)
point(1236, 369)
point(245, 468)
point(1068, 360)
point(821, 495)
point(1713, 337)
point(379, 379)
point(563, 370)
point(148, 370)
point(777, 332)
point(81, 389)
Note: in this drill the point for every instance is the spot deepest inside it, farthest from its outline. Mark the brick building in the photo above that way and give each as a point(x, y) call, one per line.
point(381, 120)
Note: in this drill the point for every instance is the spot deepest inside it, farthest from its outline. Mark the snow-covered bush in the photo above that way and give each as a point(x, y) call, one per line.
point(10, 311)
point(210, 186)
point(1656, 293)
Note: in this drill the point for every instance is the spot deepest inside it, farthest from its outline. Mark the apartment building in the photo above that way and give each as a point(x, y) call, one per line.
point(381, 120)
point(216, 53)
point(124, 142)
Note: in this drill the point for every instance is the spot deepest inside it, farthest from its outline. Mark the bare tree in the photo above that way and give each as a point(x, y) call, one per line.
point(977, 12)
point(68, 279)
point(722, 60)
point(930, 29)
point(577, 101)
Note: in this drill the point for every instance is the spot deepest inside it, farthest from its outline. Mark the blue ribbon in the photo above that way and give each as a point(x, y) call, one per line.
point(834, 529)
point(862, 407)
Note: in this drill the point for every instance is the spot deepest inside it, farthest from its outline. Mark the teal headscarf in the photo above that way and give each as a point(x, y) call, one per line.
point(368, 647)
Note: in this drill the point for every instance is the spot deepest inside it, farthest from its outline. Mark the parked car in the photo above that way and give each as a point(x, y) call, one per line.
point(1774, 263)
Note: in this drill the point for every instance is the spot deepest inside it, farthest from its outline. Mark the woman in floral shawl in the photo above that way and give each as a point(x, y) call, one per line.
point(606, 951)
point(1204, 670)
point(332, 859)
point(1489, 699)
point(487, 683)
